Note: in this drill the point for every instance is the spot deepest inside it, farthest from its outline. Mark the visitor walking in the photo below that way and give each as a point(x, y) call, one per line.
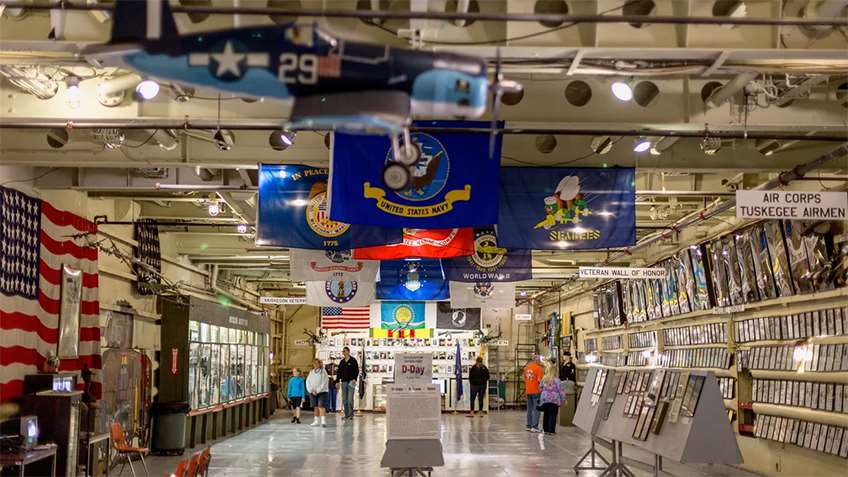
point(316, 385)
point(551, 398)
point(346, 373)
point(532, 378)
point(478, 377)
point(332, 386)
point(295, 392)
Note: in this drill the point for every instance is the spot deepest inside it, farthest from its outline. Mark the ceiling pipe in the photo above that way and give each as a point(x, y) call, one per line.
point(452, 16)
point(716, 208)
point(214, 288)
point(271, 125)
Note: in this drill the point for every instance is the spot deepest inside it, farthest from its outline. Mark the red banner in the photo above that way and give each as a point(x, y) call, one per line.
point(420, 243)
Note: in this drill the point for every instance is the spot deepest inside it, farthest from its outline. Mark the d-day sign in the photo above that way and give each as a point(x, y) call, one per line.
point(621, 272)
point(413, 368)
point(791, 205)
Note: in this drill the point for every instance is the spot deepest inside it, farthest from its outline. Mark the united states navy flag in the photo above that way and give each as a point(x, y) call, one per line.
point(453, 184)
point(412, 280)
point(293, 213)
point(489, 262)
point(567, 208)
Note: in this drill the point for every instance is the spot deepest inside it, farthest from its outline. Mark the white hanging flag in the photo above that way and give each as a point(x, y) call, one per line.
point(482, 295)
point(322, 265)
point(340, 293)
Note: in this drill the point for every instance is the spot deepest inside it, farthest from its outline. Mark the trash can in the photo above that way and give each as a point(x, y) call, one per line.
point(169, 423)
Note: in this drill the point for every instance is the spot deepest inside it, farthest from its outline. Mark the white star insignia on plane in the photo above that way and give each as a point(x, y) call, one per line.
point(228, 60)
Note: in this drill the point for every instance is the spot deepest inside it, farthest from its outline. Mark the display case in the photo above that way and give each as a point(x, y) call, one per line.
point(212, 354)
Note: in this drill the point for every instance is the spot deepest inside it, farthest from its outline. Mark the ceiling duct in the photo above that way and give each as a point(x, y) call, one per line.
point(822, 9)
point(720, 95)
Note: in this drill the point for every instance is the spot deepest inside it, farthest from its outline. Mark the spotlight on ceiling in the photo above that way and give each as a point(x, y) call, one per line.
point(241, 228)
point(214, 209)
point(767, 147)
point(147, 89)
point(72, 91)
point(622, 90)
point(281, 139)
point(642, 144)
point(710, 145)
point(224, 139)
point(602, 144)
point(663, 145)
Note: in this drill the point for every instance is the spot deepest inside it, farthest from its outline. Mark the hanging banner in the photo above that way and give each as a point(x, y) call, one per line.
point(567, 208)
point(402, 315)
point(482, 295)
point(282, 300)
point(623, 273)
point(791, 205)
point(453, 183)
point(420, 243)
point(293, 212)
point(336, 293)
point(448, 318)
point(489, 262)
point(322, 265)
point(412, 280)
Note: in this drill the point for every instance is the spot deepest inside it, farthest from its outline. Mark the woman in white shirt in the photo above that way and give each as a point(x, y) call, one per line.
point(317, 385)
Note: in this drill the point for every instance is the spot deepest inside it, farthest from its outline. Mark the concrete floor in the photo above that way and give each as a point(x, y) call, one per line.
point(493, 446)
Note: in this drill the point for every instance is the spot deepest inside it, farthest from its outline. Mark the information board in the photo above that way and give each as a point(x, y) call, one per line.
point(791, 205)
point(413, 369)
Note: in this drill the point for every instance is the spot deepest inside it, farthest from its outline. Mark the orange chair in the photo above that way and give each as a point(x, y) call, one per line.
point(205, 457)
point(182, 466)
point(193, 464)
point(122, 449)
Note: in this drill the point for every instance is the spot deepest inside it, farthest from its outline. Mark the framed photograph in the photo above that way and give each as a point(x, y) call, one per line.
point(838, 433)
point(828, 397)
point(802, 432)
point(814, 444)
point(814, 364)
point(843, 448)
point(692, 395)
point(69, 312)
point(823, 437)
point(808, 435)
point(838, 397)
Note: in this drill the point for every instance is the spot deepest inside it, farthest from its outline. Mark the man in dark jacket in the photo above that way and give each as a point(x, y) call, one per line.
point(568, 371)
point(346, 373)
point(478, 376)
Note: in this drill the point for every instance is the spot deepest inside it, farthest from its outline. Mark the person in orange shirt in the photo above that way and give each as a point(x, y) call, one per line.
point(533, 373)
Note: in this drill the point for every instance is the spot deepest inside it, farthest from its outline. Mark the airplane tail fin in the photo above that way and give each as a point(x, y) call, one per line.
point(136, 21)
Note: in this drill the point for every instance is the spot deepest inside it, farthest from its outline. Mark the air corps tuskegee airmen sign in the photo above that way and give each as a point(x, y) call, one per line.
point(567, 208)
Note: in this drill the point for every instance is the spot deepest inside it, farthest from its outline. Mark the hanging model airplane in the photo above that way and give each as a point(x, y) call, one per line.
point(334, 84)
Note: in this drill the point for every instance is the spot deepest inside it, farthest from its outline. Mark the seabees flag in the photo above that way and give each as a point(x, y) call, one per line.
point(322, 265)
point(339, 293)
point(482, 295)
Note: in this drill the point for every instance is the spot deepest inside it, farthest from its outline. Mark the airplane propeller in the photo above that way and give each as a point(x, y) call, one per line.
point(499, 87)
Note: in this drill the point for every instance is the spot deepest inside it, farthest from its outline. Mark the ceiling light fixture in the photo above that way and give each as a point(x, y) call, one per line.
point(642, 144)
point(622, 90)
point(241, 228)
point(72, 91)
point(767, 147)
point(214, 209)
point(602, 144)
point(147, 89)
point(281, 139)
point(224, 139)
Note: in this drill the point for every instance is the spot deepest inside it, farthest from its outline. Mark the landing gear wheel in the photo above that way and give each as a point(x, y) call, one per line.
point(396, 177)
point(409, 155)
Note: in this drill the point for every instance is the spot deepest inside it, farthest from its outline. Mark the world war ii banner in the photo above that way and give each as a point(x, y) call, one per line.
point(453, 183)
point(293, 213)
point(489, 262)
point(567, 208)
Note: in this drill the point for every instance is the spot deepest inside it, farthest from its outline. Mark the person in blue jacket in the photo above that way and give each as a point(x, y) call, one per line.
point(295, 393)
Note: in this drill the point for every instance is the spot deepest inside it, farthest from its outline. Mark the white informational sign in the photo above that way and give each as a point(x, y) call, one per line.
point(282, 300)
point(413, 412)
point(792, 205)
point(498, 343)
point(622, 272)
point(523, 317)
point(414, 369)
point(726, 310)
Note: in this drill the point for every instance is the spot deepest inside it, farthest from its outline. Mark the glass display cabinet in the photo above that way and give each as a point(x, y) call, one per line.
point(212, 354)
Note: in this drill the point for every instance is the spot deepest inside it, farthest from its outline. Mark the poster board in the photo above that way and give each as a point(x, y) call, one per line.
point(413, 412)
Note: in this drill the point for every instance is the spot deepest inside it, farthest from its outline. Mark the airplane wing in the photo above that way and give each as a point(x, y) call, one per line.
point(359, 112)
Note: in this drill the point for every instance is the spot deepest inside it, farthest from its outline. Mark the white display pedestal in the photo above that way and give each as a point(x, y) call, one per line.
point(413, 430)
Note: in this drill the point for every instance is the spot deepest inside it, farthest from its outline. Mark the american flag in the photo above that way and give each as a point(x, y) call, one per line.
point(345, 317)
point(36, 240)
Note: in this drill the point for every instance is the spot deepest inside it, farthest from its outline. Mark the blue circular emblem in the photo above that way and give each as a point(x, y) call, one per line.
point(412, 276)
point(340, 291)
point(430, 173)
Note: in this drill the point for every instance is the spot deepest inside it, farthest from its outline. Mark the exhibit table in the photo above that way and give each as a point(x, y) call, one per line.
point(25, 457)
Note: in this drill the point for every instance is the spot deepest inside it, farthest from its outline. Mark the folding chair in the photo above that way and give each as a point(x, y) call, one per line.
point(182, 466)
point(122, 449)
point(203, 465)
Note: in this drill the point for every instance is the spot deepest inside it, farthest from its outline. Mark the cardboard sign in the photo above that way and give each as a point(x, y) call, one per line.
point(282, 300)
point(624, 273)
point(791, 205)
point(413, 369)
